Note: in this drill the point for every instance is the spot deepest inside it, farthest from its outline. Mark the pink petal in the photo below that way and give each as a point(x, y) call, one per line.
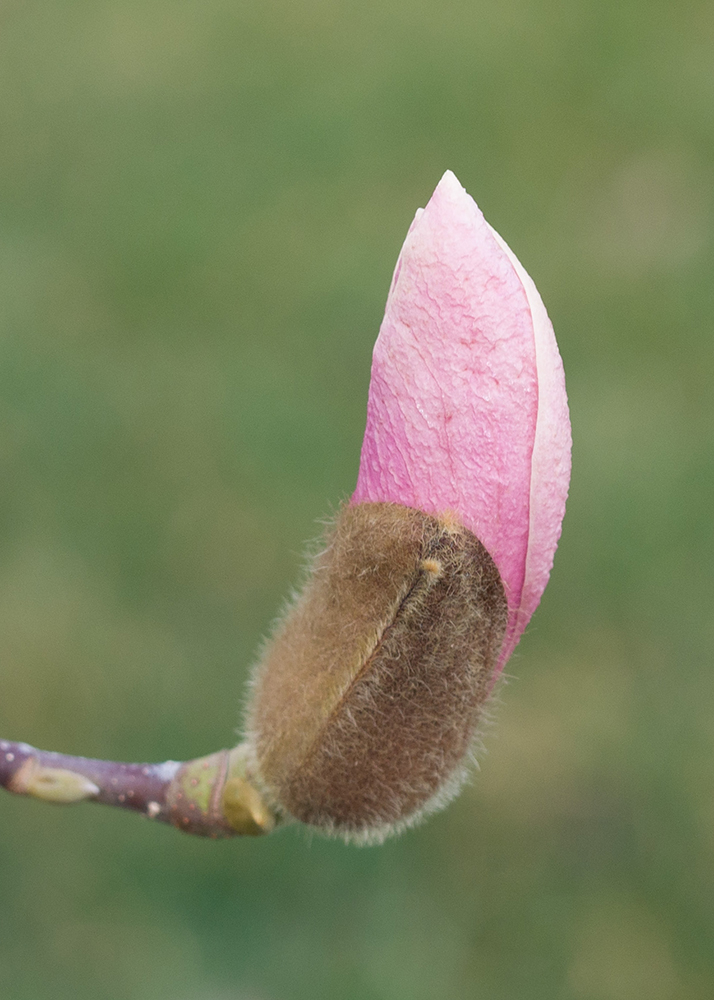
point(467, 408)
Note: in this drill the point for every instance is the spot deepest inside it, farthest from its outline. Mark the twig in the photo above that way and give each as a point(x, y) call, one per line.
point(211, 796)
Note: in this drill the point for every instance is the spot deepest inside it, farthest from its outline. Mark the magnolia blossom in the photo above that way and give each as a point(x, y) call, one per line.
point(467, 407)
point(366, 700)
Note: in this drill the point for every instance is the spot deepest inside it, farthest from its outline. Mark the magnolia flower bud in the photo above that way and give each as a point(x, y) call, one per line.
point(367, 699)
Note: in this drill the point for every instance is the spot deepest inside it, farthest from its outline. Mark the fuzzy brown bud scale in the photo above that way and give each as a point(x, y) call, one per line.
point(366, 702)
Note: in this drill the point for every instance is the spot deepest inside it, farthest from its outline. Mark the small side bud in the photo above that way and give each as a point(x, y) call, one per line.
point(245, 810)
point(365, 705)
point(52, 784)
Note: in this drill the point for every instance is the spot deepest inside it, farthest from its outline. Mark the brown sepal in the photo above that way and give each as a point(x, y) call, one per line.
point(367, 699)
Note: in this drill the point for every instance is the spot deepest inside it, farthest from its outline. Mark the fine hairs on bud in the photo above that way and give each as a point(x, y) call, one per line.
point(366, 701)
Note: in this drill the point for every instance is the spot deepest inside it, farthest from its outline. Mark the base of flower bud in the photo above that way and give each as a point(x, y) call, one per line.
point(213, 797)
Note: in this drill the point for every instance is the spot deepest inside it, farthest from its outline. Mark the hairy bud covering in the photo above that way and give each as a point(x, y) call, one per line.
point(365, 704)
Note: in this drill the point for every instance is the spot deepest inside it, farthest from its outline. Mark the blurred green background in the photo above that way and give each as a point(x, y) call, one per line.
point(201, 203)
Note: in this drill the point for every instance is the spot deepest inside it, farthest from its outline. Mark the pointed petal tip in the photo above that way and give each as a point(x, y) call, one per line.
point(450, 208)
point(450, 190)
point(450, 182)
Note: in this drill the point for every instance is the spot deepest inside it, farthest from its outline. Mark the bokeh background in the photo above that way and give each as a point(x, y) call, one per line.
point(201, 203)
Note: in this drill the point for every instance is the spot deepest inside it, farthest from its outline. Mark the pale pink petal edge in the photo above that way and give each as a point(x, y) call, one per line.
point(551, 463)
